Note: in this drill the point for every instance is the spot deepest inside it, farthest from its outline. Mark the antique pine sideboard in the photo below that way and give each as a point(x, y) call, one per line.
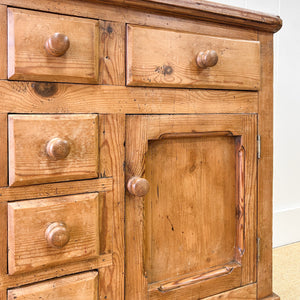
point(136, 150)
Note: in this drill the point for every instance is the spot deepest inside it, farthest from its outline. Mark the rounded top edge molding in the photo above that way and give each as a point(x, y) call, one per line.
point(206, 11)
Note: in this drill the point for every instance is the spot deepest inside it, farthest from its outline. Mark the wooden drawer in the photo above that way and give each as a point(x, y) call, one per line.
point(165, 58)
point(74, 287)
point(46, 232)
point(38, 47)
point(52, 148)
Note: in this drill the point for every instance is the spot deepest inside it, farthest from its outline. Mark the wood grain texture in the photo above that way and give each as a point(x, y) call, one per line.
point(3, 42)
point(75, 287)
point(106, 224)
point(28, 60)
point(106, 283)
point(29, 220)
point(136, 283)
point(165, 58)
point(29, 136)
point(265, 169)
point(21, 97)
point(98, 10)
point(11, 281)
point(189, 200)
point(3, 150)
point(139, 256)
point(112, 53)
point(112, 146)
point(55, 189)
point(250, 256)
point(248, 292)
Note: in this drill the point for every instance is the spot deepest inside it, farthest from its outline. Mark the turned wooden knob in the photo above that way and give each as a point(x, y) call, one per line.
point(138, 186)
point(57, 235)
point(58, 148)
point(57, 44)
point(206, 59)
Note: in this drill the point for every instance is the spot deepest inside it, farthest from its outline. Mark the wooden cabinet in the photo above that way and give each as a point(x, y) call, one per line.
point(135, 150)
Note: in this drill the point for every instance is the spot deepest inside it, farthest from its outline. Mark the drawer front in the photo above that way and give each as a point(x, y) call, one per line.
point(75, 287)
point(49, 47)
point(51, 148)
point(164, 58)
point(46, 232)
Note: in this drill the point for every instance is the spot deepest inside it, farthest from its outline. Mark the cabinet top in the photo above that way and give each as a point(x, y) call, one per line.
point(204, 10)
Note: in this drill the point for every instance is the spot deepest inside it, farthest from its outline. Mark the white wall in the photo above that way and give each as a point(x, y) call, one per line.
point(286, 191)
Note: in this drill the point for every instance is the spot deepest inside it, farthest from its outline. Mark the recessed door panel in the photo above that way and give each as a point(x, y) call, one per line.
point(190, 208)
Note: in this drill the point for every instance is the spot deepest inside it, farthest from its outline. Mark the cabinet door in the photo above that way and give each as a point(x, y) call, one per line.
point(193, 233)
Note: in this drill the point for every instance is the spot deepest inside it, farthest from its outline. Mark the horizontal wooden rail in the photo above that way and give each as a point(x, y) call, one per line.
point(55, 189)
point(9, 281)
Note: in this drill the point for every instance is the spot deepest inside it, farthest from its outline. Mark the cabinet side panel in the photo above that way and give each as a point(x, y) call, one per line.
point(265, 168)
